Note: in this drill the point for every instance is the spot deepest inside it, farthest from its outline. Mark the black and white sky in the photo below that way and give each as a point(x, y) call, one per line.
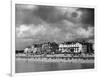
point(37, 23)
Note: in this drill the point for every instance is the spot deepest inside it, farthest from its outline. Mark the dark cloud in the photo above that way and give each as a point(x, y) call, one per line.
point(24, 15)
point(88, 16)
point(52, 14)
point(48, 14)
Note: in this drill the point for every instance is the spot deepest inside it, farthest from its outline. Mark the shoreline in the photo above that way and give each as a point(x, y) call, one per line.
point(57, 58)
point(46, 60)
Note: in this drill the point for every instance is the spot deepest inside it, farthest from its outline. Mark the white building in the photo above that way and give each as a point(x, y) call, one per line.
point(33, 49)
point(26, 50)
point(76, 47)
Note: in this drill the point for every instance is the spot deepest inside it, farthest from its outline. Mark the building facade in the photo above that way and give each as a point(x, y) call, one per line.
point(70, 48)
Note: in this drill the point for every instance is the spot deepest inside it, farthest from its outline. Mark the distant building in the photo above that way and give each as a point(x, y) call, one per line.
point(33, 49)
point(66, 47)
point(26, 50)
point(87, 47)
point(72, 47)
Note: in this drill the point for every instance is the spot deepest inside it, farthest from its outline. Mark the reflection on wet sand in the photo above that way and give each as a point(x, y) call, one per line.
point(37, 66)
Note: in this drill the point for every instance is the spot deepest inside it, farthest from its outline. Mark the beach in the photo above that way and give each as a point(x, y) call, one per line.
point(39, 63)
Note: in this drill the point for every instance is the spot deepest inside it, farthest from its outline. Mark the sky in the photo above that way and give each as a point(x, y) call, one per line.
point(38, 23)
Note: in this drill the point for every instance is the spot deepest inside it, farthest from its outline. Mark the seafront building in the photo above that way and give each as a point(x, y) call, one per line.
point(66, 47)
point(72, 47)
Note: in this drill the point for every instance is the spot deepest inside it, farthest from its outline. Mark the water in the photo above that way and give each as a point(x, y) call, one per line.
point(21, 66)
